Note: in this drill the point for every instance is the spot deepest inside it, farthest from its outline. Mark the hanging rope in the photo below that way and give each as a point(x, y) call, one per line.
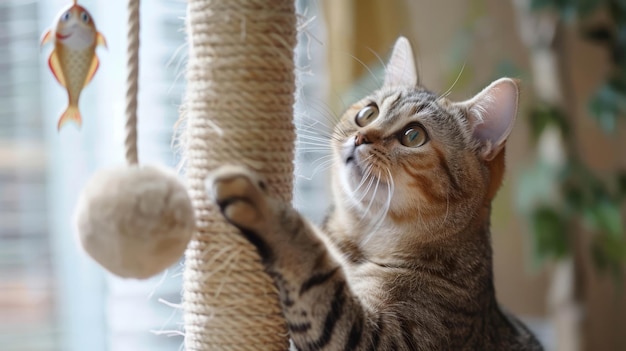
point(239, 108)
point(132, 79)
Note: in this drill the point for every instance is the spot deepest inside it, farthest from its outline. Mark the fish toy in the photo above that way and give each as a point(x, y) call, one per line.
point(73, 60)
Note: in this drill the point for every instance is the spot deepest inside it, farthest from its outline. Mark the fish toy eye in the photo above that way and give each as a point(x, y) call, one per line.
point(84, 16)
point(66, 16)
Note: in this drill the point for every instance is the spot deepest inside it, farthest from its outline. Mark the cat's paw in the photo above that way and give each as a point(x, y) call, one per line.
point(240, 195)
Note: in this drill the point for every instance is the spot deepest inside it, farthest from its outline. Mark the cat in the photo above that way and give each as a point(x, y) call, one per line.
point(404, 259)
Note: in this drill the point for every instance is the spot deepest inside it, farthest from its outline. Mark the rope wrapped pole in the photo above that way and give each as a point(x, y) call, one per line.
point(239, 110)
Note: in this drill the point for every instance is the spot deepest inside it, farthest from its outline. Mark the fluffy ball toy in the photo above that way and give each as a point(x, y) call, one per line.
point(135, 221)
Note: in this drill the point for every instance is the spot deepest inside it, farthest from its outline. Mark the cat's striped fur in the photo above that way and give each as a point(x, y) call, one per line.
point(403, 261)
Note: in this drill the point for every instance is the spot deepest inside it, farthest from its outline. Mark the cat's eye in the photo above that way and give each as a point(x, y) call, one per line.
point(66, 16)
point(366, 115)
point(413, 136)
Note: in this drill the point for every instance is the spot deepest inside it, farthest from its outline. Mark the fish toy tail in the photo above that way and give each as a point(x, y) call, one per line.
point(71, 114)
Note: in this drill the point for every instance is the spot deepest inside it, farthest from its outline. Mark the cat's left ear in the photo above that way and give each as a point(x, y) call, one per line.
point(401, 70)
point(491, 114)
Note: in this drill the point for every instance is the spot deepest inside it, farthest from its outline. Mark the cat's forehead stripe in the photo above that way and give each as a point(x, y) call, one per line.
point(414, 101)
point(392, 101)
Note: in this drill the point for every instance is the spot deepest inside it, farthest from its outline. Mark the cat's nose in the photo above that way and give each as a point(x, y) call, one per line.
point(361, 138)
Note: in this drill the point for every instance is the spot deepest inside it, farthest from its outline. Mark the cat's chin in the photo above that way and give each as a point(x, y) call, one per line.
point(366, 192)
point(354, 179)
point(354, 171)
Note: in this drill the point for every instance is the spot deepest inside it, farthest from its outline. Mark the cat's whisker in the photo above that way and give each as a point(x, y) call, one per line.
point(325, 111)
point(447, 92)
point(311, 132)
point(305, 142)
point(326, 114)
point(339, 132)
point(312, 137)
point(312, 147)
point(380, 60)
point(447, 206)
point(323, 157)
point(373, 196)
point(418, 208)
point(390, 190)
point(341, 135)
point(367, 176)
point(419, 211)
point(322, 167)
point(314, 150)
point(315, 126)
point(380, 217)
point(366, 179)
point(384, 210)
point(363, 194)
point(366, 173)
point(369, 70)
point(310, 143)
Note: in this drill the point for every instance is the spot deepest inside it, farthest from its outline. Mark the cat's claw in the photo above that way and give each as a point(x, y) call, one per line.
point(240, 196)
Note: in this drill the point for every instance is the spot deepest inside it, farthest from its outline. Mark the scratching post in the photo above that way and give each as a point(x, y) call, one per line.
point(239, 107)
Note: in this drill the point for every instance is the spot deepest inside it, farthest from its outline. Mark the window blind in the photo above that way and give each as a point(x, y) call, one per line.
point(27, 300)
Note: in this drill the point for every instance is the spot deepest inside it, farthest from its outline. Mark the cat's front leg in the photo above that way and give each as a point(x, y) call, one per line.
point(321, 311)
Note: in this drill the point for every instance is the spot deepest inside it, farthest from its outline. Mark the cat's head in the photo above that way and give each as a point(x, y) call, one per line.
point(407, 156)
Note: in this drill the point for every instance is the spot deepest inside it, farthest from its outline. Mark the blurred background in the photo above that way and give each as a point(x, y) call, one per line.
point(557, 224)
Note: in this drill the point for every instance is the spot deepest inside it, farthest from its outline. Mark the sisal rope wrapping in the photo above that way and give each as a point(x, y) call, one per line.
point(239, 109)
point(132, 79)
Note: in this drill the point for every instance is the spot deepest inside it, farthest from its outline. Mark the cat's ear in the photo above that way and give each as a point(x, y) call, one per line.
point(401, 70)
point(491, 114)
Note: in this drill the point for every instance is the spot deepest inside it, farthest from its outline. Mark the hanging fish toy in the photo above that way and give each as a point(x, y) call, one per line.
point(73, 60)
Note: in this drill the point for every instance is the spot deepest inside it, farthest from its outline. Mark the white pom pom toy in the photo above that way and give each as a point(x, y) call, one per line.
point(135, 221)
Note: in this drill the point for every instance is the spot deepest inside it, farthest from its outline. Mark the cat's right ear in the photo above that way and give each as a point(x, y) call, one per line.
point(491, 114)
point(401, 70)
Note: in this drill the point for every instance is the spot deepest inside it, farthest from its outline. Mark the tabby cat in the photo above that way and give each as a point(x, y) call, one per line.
point(404, 260)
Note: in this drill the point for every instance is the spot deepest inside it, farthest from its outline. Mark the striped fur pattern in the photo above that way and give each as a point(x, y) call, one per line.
point(403, 261)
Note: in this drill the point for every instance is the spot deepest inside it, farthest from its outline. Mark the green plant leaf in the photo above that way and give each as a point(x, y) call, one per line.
point(621, 185)
point(550, 233)
point(588, 7)
point(536, 186)
point(569, 10)
point(574, 197)
point(543, 116)
point(605, 216)
point(603, 108)
point(536, 5)
point(609, 254)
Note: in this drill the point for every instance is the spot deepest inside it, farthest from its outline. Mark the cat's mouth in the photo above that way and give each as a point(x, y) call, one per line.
point(352, 163)
point(349, 153)
point(352, 160)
